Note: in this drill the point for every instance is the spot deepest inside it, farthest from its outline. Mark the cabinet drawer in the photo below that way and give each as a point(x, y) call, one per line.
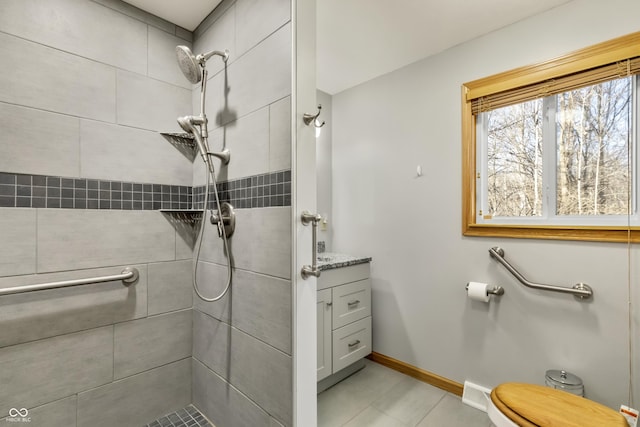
point(339, 276)
point(351, 342)
point(351, 302)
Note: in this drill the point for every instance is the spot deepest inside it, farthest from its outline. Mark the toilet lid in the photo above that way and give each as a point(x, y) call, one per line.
point(530, 405)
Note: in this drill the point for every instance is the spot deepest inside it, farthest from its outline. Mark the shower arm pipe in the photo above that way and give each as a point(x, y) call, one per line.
point(580, 290)
point(204, 57)
point(128, 276)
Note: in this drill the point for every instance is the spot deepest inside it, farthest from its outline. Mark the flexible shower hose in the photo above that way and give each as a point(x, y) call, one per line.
point(211, 176)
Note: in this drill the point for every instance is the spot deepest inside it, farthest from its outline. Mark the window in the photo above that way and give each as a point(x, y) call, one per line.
point(549, 150)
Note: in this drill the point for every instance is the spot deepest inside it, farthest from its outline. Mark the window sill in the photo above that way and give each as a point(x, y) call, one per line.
point(546, 232)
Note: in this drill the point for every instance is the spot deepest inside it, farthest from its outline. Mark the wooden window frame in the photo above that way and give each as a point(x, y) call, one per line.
point(599, 55)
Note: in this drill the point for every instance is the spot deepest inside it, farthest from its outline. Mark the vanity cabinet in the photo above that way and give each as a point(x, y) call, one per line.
point(344, 319)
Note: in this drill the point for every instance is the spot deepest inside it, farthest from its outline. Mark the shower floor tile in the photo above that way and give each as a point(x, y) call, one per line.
point(187, 417)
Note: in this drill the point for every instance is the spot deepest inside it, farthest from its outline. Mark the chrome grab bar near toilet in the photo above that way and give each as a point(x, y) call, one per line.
point(580, 290)
point(128, 276)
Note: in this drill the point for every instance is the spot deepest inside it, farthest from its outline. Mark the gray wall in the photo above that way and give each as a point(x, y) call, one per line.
point(83, 89)
point(323, 170)
point(411, 226)
point(242, 365)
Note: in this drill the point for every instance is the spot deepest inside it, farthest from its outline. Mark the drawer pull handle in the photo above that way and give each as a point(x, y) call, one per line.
point(353, 344)
point(329, 304)
point(352, 303)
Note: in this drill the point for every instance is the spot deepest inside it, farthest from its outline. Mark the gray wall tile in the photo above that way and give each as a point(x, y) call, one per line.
point(143, 344)
point(151, 104)
point(211, 343)
point(55, 367)
point(265, 241)
point(138, 14)
point(262, 373)
point(139, 399)
point(199, 168)
point(212, 18)
point(70, 25)
point(280, 135)
point(122, 153)
point(58, 413)
point(185, 239)
point(33, 315)
point(160, 23)
point(222, 403)
point(18, 249)
point(72, 239)
point(248, 140)
point(260, 18)
point(169, 286)
point(38, 142)
point(53, 80)
point(184, 34)
point(162, 58)
point(220, 36)
point(258, 78)
point(211, 280)
point(261, 242)
point(261, 307)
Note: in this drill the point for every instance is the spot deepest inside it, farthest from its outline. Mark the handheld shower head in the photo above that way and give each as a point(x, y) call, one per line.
point(188, 123)
point(192, 65)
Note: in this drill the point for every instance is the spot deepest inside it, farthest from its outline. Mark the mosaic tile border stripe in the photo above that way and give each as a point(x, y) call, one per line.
point(42, 191)
point(258, 191)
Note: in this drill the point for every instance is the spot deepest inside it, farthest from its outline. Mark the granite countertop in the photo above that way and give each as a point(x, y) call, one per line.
point(331, 260)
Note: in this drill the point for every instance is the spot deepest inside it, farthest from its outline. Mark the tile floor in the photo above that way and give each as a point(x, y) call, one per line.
point(187, 417)
point(378, 396)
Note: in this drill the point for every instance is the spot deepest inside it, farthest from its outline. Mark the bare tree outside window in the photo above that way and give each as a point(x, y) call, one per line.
point(592, 143)
point(593, 131)
point(514, 152)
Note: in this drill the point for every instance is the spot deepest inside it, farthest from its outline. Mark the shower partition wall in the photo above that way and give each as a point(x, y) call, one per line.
point(242, 364)
point(91, 85)
point(78, 189)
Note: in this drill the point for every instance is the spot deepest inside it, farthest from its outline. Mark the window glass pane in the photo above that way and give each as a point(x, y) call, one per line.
point(593, 136)
point(514, 160)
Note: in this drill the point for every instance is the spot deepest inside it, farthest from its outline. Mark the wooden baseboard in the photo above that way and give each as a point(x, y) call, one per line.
point(417, 373)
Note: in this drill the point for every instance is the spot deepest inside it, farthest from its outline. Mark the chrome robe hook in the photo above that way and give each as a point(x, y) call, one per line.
point(311, 118)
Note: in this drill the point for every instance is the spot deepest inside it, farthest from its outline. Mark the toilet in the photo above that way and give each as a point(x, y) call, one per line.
point(530, 405)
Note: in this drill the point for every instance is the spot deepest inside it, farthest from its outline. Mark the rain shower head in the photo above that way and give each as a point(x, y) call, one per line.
point(188, 64)
point(192, 65)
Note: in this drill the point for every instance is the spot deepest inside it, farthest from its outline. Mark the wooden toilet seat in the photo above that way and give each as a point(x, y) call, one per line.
point(530, 405)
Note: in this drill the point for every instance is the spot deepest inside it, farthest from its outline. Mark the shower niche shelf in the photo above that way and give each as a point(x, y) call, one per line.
point(182, 141)
point(188, 216)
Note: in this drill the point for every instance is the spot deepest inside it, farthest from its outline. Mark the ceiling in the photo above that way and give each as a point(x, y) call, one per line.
point(358, 40)
point(186, 13)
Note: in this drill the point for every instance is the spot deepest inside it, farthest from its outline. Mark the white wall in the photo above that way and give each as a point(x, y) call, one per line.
point(323, 170)
point(411, 226)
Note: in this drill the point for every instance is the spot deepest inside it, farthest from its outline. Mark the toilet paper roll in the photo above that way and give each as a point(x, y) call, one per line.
point(478, 291)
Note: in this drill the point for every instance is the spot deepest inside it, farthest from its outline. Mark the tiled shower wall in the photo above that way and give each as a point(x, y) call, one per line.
point(242, 365)
point(84, 86)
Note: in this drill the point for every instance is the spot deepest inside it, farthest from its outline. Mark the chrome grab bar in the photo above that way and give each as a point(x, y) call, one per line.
point(580, 290)
point(128, 276)
point(311, 270)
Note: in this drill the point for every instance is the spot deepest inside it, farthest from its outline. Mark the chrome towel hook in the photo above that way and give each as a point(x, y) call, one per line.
point(311, 118)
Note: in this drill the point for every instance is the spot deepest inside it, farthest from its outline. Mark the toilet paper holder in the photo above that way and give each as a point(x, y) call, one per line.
point(496, 290)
